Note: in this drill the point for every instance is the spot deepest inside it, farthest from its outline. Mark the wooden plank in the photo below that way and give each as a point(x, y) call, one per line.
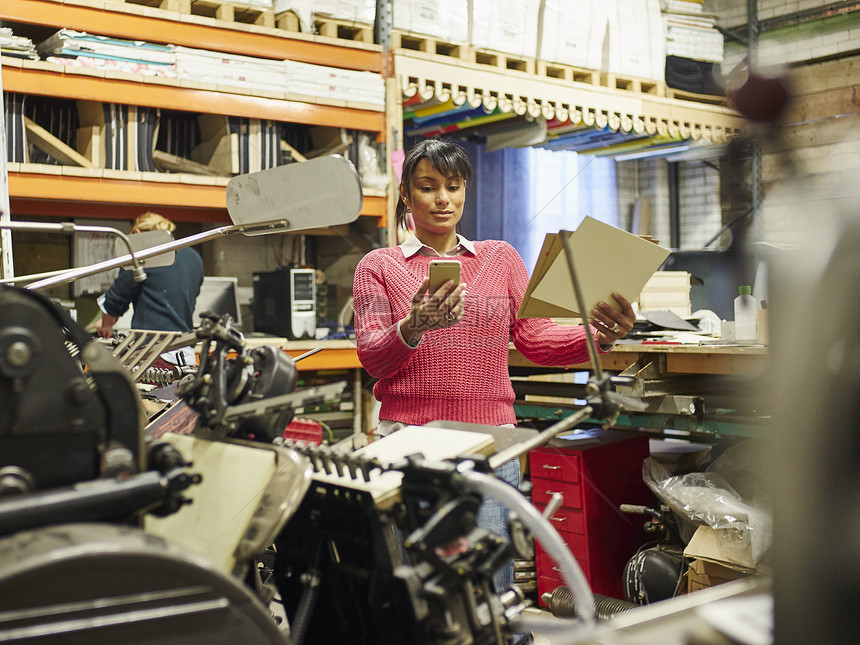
point(818, 133)
point(90, 136)
point(808, 79)
point(298, 156)
point(50, 144)
point(90, 144)
point(221, 154)
point(131, 138)
point(173, 163)
point(841, 100)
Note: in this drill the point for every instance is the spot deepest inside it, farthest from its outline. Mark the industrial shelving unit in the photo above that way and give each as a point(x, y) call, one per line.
point(60, 191)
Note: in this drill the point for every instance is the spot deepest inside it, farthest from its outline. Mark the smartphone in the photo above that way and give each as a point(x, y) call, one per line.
point(442, 270)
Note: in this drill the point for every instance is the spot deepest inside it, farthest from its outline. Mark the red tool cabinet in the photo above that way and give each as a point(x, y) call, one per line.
point(595, 475)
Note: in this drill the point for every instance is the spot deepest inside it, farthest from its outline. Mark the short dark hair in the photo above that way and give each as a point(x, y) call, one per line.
point(446, 156)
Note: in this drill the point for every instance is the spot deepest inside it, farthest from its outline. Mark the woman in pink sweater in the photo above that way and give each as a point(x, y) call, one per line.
point(444, 356)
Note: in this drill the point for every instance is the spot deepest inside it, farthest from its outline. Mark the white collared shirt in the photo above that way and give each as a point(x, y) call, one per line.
point(412, 245)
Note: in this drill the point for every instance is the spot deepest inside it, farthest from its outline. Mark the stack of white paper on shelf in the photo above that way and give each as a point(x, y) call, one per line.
point(445, 19)
point(324, 82)
point(571, 32)
point(690, 32)
point(509, 26)
point(218, 68)
point(16, 46)
point(635, 44)
point(355, 11)
point(69, 47)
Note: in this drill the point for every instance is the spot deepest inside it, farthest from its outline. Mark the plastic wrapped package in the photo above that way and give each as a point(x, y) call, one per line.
point(706, 498)
point(369, 166)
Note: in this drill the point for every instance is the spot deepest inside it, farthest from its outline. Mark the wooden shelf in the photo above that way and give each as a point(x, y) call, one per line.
point(68, 192)
point(680, 359)
point(137, 22)
point(590, 104)
point(45, 79)
point(64, 191)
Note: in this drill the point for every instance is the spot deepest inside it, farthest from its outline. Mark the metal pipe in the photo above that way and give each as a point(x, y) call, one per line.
point(583, 310)
point(69, 227)
point(674, 205)
point(73, 274)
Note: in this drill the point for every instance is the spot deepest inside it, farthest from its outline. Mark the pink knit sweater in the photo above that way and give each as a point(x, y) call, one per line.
point(459, 373)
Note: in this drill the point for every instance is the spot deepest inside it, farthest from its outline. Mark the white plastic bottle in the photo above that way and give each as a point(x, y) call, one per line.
point(745, 316)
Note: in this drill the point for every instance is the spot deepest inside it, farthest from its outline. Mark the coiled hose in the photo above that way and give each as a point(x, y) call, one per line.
point(562, 604)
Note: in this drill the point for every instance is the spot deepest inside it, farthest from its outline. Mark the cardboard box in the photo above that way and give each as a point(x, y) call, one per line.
point(712, 564)
point(702, 574)
point(707, 544)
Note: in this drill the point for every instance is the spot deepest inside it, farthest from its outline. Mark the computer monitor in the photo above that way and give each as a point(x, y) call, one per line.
point(219, 295)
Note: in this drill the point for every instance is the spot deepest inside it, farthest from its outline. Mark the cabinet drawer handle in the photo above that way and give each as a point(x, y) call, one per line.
point(552, 492)
point(558, 519)
point(551, 467)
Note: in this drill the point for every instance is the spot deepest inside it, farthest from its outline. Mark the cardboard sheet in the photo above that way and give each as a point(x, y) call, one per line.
point(607, 260)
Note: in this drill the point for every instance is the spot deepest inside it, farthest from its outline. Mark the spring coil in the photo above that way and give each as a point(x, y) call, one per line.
point(561, 603)
point(72, 348)
point(156, 376)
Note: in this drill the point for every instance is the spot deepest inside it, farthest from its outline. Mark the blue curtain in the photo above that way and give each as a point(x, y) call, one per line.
point(521, 194)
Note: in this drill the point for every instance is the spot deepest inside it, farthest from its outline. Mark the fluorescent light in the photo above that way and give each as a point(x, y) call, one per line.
point(653, 152)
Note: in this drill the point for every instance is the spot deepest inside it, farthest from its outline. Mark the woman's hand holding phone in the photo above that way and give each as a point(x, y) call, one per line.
point(435, 309)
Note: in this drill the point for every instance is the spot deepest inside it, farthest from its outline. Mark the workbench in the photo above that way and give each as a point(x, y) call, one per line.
point(678, 359)
point(698, 390)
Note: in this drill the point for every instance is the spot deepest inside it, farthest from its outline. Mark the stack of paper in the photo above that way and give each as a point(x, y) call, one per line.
point(16, 46)
point(230, 69)
point(509, 26)
point(690, 32)
point(667, 291)
point(325, 82)
point(69, 47)
point(571, 32)
point(356, 11)
point(446, 19)
point(635, 44)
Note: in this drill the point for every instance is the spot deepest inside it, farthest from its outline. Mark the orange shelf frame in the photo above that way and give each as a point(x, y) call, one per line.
point(329, 359)
point(51, 195)
point(170, 29)
point(150, 94)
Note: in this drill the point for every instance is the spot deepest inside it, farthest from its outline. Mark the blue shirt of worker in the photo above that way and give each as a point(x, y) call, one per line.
point(165, 300)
